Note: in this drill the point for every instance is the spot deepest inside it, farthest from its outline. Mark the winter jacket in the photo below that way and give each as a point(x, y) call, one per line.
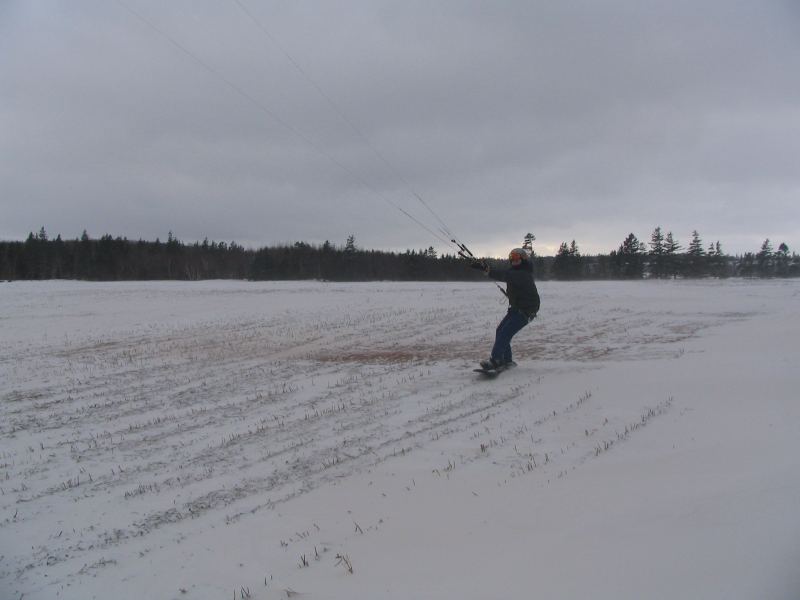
point(520, 287)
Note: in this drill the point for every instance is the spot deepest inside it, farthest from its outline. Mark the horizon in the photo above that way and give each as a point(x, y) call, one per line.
point(552, 251)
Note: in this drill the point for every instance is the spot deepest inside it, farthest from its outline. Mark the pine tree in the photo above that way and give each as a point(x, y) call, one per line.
point(630, 258)
point(658, 252)
point(765, 260)
point(84, 258)
point(747, 266)
point(560, 268)
point(794, 265)
point(782, 261)
point(657, 242)
point(696, 245)
point(672, 263)
point(630, 245)
point(173, 244)
point(575, 261)
point(695, 254)
point(527, 243)
point(671, 245)
point(718, 261)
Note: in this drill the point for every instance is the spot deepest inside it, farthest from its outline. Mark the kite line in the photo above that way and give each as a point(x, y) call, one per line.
point(444, 234)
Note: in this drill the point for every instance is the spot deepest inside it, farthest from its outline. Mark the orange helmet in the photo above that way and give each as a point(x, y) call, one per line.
point(519, 254)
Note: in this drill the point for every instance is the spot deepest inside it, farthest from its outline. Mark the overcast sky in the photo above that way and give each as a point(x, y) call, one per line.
point(579, 120)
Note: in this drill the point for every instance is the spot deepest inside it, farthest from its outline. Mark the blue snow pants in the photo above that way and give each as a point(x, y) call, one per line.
point(511, 324)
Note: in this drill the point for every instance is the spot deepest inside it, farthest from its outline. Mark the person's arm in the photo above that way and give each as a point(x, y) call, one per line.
point(513, 276)
point(497, 274)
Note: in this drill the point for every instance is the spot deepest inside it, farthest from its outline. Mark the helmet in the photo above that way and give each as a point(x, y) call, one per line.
point(519, 254)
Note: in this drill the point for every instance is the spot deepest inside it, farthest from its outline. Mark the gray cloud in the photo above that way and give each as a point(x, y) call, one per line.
point(574, 120)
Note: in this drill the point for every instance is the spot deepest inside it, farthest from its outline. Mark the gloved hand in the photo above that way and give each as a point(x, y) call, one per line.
point(476, 264)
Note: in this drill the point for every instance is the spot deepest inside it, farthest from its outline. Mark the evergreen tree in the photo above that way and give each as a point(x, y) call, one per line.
point(672, 264)
point(696, 245)
point(765, 260)
point(657, 242)
point(695, 254)
point(794, 265)
point(84, 258)
point(782, 261)
point(658, 253)
point(671, 245)
point(560, 267)
point(747, 265)
point(568, 263)
point(629, 258)
point(576, 261)
point(718, 262)
point(527, 242)
point(58, 258)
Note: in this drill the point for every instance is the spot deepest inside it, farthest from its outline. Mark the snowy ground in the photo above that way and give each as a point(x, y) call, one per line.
point(249, 440)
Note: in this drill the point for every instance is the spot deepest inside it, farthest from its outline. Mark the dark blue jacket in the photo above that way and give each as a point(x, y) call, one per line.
point(520, 287)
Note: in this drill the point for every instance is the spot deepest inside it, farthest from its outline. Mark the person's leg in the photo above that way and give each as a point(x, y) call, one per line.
point(508, 328)
point(515, 324)
point(502, 341)
point(493, 361)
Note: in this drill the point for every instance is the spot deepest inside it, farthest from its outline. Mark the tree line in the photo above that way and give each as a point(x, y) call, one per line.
point(664, 257)
point(119, 259)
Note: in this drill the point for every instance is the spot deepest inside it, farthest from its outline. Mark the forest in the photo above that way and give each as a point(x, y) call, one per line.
point(111, 258)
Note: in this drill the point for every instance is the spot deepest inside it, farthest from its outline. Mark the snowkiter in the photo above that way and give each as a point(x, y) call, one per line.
point(523, 304)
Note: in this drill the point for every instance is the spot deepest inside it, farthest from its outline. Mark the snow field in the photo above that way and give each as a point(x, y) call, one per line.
point(197, 440)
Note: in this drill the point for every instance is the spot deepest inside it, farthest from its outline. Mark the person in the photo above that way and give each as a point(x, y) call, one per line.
point(523, 304)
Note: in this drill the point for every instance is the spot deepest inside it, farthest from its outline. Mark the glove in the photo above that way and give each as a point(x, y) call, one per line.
point(476, 264)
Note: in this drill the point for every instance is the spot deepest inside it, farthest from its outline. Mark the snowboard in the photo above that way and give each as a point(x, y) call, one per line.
point(492, 373)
